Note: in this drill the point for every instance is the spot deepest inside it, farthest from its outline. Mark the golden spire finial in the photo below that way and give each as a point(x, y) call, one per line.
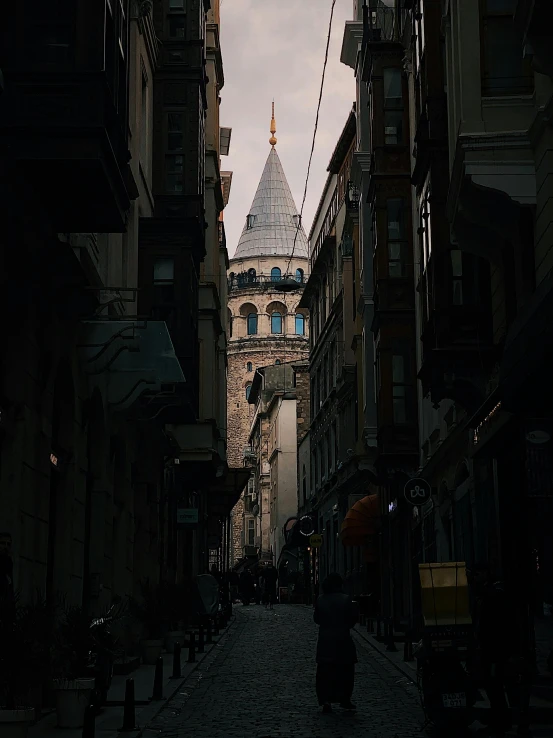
point(273, 140)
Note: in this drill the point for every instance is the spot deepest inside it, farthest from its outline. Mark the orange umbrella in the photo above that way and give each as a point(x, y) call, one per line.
point(361, 522)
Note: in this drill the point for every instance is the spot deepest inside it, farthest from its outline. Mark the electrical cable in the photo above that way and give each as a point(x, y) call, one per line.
point(333, 4)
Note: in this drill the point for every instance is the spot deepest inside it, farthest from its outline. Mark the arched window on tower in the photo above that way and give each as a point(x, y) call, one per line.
point(252, 324)
point(276, 322)
point(249, 366)
point(300, 325)
point(277, 362)
point(275, 274)
point(251, 275)
point(248, 391)
point(299, 276)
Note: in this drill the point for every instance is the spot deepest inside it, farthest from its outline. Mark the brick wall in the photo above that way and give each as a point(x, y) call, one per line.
point(303, 404)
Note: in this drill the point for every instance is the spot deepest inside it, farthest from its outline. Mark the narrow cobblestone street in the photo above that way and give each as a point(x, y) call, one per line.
point(259, 683)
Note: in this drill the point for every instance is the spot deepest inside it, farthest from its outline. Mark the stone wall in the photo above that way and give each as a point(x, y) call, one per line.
point(303, 400)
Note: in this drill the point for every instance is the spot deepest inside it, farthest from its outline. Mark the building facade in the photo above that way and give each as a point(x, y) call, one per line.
point(273, 443)
point(105, 272)
point(265, 325)
point(341, 464)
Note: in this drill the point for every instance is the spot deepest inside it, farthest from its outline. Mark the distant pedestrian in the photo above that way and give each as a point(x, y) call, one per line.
point(246, 587)
point(335, 614)
point(270, 579)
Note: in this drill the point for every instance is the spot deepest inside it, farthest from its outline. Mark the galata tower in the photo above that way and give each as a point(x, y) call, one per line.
point(265, 326)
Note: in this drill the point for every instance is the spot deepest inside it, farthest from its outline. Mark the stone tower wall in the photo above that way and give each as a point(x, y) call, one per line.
point(262, 349)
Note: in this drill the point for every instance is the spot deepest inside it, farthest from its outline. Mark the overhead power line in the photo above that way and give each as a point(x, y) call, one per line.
point(333, 3)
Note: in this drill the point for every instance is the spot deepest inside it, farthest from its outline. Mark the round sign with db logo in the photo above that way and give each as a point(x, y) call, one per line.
point(316, 540)
point(417, 491)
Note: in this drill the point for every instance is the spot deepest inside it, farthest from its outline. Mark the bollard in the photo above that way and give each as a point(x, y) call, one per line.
point(201, 641)
point(208, 636)
point(408, 648)
point(192, 648)
point(176, 662)
point(89, 724)
point(390, 646)
point(129, 718)
point(158, 681)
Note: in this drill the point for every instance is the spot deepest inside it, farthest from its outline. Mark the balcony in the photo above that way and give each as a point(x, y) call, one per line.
point(534, 18)
point(457, 355)
point(247, 281)
point(67, 142)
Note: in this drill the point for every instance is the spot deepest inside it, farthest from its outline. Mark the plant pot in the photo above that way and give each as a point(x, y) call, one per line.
point(72, 699)
point(15, 723)
point(174, 636)
point(151, 651)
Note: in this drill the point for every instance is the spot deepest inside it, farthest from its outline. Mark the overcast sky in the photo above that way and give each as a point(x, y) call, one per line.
point(275, 49)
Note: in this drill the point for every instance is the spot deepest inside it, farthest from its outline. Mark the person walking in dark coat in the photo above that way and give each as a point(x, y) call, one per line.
point(270, 579)
point(335, 614)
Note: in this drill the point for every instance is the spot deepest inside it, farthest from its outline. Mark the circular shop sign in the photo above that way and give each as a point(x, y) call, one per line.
point(316, 540)
point(417, 491)
point(306, 525)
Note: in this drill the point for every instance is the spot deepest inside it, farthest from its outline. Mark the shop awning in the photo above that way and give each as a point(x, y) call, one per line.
point(225, 492)
point(130, 359)
point(361, 522)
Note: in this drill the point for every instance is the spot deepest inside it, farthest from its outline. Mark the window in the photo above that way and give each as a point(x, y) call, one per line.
point(277, 362)
point(275, 274)
point(252, 324)
point(164, 284)
point(457, 274)
point(249, 366)
point(174, 173)
point(251, 532)
point(504, 69)
point(400, 388)
point(397, 245)
point(177, 26)
point(176, 4)
point(393, 106)
point(300, 325)
point(252, 274)
point(144, 124)
point(175, 132)
point(425, 226)
point(276, 323)
point(299, 275)
point(250, 220)
point(248, 391)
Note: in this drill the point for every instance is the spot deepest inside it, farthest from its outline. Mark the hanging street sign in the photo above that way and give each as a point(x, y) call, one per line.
point(417, 491)
point(187, 516)
point(316, 540)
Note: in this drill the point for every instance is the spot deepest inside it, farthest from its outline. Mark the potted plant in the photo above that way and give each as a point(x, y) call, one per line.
point(17, 664)
point(70, 659)
point(174, 599)
point(149, 610)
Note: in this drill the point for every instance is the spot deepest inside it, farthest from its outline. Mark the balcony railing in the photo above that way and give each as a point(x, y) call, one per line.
point(382, 23)
point(249, 281)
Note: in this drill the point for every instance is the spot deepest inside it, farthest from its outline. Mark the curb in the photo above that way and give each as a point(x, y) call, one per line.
point(178, 684)
point(399, 666)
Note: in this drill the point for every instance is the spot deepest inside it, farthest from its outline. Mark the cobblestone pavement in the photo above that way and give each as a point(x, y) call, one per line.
point(258, 682)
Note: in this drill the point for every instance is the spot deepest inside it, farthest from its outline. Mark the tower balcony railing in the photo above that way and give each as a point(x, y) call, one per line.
point(254, 281)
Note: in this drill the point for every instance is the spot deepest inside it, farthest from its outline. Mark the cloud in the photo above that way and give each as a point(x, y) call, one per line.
point(276, 50)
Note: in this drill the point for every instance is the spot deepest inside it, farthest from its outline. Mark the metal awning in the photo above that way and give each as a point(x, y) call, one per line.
point(130, 359)
point(225, 493)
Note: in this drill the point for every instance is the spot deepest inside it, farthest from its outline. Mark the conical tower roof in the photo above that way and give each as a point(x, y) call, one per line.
point(272, 222)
